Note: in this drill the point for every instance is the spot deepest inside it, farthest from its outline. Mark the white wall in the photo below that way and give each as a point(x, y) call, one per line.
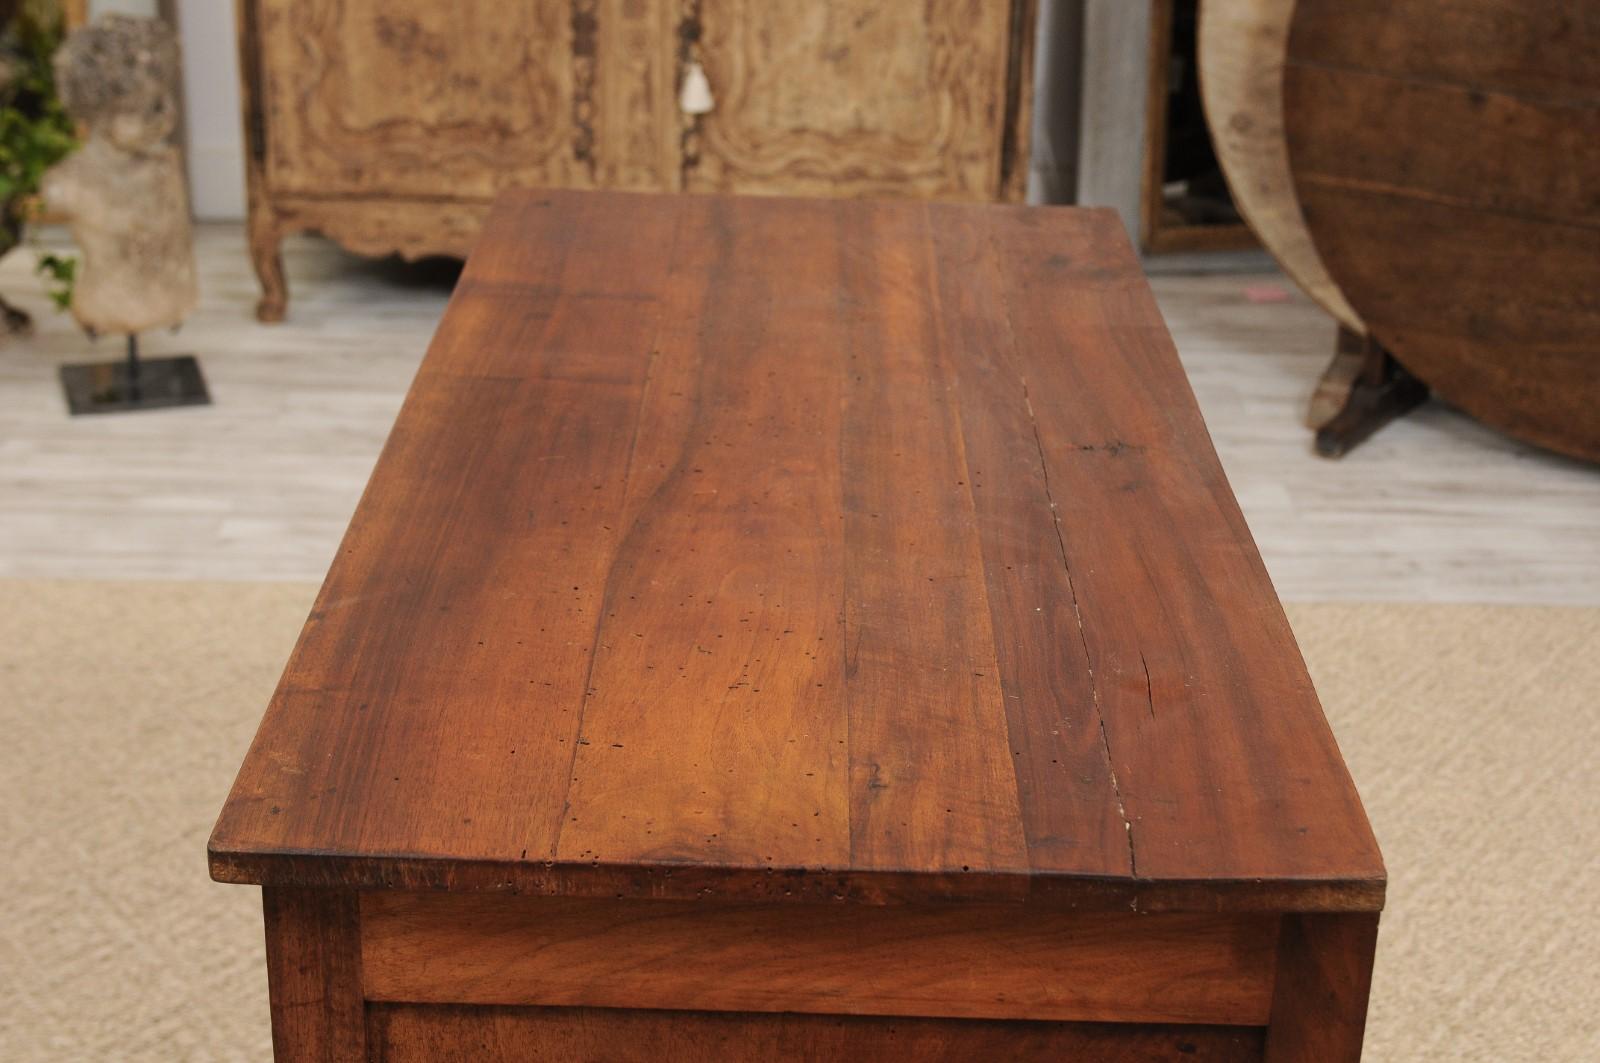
point(1115, 70)
point(211, 108)
point(146, 8)
point(215, 143)
point(1054, 166)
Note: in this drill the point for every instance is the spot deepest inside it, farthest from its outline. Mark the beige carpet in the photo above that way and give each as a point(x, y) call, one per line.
point(124, 708)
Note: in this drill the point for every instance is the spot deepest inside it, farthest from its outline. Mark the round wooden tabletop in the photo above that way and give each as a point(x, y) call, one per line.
point(1447, 157)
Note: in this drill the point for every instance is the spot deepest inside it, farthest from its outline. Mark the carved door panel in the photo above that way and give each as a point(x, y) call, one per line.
point(852, 97)
point(429, 99)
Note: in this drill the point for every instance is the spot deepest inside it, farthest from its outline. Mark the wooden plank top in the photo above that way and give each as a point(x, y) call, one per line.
point(818, 550)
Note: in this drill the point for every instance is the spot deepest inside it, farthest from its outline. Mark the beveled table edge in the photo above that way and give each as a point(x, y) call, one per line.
point(688, 881)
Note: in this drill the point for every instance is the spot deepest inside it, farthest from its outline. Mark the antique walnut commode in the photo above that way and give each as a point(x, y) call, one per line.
point(787, 628)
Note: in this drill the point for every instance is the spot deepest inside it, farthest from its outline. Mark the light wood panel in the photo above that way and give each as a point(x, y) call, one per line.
point(361, 96)
point(1243, 44)
point(422, 102)
point(849, 97)
point(390, 126)
point(965, 961)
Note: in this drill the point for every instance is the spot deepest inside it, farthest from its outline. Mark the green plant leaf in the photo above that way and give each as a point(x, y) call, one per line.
point(35, 130)
point(61, 274)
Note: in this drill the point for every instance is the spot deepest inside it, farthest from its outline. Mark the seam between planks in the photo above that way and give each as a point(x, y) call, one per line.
point(1061, 543)
point(949, 377)
point(1553, 99)
point(620, 536)
point(1077, 613)
point(846, 650)
point(1360, 186)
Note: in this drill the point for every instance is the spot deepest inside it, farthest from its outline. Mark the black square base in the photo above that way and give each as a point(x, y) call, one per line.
point(104, 387)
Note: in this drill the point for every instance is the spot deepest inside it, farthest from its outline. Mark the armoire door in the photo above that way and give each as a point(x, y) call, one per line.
point(459, 100)
point(857, 97)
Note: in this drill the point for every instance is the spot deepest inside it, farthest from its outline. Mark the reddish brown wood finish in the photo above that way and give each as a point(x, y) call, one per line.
point(1447, 154)
point(1319, 1009)
point(1544, 50)
point(805, 550)
point(314, 976)
point(946, 961)
point(410, 1034)
point(733, 554)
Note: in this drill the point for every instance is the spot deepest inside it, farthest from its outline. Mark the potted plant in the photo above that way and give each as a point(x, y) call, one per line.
point(35, 133)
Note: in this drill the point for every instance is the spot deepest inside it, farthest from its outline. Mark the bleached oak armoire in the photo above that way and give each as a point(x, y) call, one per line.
point(390, 125)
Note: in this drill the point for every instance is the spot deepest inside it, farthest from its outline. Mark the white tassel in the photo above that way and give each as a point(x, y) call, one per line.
point(696, 95)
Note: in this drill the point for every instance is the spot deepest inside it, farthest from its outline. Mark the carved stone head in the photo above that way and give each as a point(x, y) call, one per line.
point(119, 77)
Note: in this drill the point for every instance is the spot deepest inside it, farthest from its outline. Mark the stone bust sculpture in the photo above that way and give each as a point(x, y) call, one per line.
point(123, 192)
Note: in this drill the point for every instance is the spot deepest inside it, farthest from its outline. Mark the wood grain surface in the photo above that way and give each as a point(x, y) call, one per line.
point(852, 95)
point(1242, 48)
point(951, 961)
point(401, 1033)
point(390, 126)
point(1319, 1007)
point(410, 99)
point(1535, 50)
point(801, 550)
point(314, 975)
point(413, 98)
point(1448, 157)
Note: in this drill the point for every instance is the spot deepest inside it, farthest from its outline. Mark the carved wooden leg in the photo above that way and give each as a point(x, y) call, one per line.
point(1319, 1006)
point(1333, 390)
point(314, 976)
point(265, 241)
point(1361, 391)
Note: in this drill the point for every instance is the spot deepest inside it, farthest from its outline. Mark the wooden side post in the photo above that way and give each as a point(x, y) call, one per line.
point(261, 224)
point(314, 975)
point(1319, 1008)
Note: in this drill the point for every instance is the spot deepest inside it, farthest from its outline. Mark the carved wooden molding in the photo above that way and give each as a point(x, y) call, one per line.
point(389, 127)
point(864, 101)
point(410, 228)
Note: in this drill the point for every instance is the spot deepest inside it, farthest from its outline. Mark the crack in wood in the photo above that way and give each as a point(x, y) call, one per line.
point(1088, 660)
point(1072, 591)
point(1149, 691)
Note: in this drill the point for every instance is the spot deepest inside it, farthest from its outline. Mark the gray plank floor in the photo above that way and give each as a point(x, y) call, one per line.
point(260, 485)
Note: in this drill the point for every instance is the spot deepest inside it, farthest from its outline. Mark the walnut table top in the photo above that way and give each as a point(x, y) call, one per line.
point(774, 550)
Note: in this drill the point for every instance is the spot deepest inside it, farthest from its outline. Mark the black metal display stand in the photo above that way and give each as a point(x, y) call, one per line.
point(134, 383)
